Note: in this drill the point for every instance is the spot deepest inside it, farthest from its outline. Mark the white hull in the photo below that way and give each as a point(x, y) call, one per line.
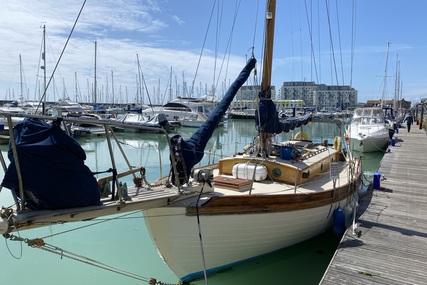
point(179, 109)
point(229, 240)
point(242, 114)
point(369, 144)
point(368, 131)
point(238, 224)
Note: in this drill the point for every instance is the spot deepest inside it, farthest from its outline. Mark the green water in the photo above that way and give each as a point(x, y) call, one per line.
point(123, 242)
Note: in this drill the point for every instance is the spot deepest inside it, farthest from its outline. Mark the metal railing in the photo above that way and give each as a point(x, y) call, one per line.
point(108, 126)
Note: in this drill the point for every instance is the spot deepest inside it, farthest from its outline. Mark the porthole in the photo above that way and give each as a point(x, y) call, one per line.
point(276, 172)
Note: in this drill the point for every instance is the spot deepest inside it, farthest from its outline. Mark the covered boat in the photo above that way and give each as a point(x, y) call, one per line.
point(51, 167)
point(155, 123)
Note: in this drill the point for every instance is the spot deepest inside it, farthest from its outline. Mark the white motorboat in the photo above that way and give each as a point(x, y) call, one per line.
point(368, 130)
point(183, 109)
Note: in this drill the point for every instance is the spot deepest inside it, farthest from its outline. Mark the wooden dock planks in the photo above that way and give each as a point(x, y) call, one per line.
point(390, 245)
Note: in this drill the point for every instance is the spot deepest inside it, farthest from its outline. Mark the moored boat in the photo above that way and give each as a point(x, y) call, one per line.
point(368, 130)
point(155, 123)
point(183, 109)
point(266, 197)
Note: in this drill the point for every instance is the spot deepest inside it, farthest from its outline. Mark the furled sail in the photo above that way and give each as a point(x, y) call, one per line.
point(189, 153)
point(267, 118)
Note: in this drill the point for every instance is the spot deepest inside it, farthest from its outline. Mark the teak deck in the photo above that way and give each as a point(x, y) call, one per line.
point(390, 245)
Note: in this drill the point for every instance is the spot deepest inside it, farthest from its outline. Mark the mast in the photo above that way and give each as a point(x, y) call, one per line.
point(20, 78)
point(267, 63)
point(112, 86)
point(75, 86)
point(170, 85)
point(94, 81)
point(139, 82)
point(397, 83)
point(385, 76)
point(44, 70)
point(268, 46)
point(64, 92)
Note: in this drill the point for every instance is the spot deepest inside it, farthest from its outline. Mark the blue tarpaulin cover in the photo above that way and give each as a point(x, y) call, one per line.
point(52, 168)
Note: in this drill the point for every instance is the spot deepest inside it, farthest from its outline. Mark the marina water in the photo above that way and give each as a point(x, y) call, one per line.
point(123, 242)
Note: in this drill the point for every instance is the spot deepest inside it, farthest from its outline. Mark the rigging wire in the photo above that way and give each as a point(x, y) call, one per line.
point(203, 47)
point(318, 35)
point(228, 47)
point(339, 42)
point(311, 41)
point(331, 41)
point(39, 243)
point(60, 56)
point(218, 28)
point(353, 37)
point(98, 221)
point(255, 24)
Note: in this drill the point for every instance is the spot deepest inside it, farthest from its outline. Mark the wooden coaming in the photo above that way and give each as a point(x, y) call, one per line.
point(308, 169)
point(235, 204)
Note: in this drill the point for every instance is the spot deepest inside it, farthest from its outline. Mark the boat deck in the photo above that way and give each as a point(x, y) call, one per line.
point(269, 187)
point(139, 199)
point(389, 245)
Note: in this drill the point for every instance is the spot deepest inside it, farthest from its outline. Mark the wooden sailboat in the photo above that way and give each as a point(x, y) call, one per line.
point(267, 197)
point(257, 201)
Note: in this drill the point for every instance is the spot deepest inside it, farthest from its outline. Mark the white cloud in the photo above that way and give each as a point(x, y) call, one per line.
point(168, 33)
point(121, 29)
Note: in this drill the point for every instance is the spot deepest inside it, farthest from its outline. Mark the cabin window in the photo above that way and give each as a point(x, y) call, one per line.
point(276, 172)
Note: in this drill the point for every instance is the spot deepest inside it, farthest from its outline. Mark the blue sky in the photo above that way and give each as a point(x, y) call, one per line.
point(169, 35)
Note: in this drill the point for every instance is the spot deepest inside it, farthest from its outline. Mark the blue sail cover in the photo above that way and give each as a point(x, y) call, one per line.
point(267, 119)
point(52, 168)
point(189, 153)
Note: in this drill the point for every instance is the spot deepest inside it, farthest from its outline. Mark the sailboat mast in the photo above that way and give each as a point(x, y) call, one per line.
point(94, 81)
point(75, 86)
point(385, 76)
point(268, 45)
point(170, 85)
point(139, 82)
point(44, 70)
point(112, 86)
point(267, 63)
point(397, 83)
point(20, 78)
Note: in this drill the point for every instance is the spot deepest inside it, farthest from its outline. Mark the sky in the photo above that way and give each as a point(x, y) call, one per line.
point(194, 47)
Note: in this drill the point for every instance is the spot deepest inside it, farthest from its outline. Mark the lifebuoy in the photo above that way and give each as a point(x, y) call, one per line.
point(337, 143)
point(301, 136)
